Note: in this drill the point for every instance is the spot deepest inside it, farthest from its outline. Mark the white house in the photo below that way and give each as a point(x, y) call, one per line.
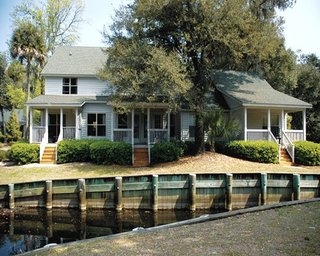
point(75, 106)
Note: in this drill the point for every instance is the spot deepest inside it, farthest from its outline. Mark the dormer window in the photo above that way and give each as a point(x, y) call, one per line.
point(70, 85)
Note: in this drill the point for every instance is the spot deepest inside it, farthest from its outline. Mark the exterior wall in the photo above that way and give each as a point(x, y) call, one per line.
point(86, 86)
point(96, 108)
point(69, 115)
point(187, 120)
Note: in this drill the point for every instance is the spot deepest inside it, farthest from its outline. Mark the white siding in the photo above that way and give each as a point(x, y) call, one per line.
point(86, 86)
point(96, 108)
point(187, 119)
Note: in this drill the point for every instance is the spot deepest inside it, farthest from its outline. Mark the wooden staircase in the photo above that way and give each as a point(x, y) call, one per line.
point(49, 155)
point(141, 157)
point(285, 159)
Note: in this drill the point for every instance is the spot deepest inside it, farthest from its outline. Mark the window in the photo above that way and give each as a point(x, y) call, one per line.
point(70, 86)
point(122, 121)
point(96, 125)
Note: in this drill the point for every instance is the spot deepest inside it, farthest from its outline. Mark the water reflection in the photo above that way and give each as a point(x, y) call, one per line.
point(28, 229)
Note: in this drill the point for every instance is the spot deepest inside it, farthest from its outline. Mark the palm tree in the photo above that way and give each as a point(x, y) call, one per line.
point(218, 125)
point(28, 45)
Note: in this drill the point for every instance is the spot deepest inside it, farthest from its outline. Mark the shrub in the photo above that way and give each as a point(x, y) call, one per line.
point(190, 148)
point(257, 151)
point(13, 127)
point(109, 152)
point(1, 145)
point(165, 152)
point(307, 153)
point(24, 153)
point(3, 155)
point(74, 151)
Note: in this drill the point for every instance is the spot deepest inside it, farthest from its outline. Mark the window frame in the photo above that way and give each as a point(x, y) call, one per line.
point(70, 85)
point(95, 125)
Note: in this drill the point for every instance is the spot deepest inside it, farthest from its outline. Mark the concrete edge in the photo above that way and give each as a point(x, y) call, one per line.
point(201, 219)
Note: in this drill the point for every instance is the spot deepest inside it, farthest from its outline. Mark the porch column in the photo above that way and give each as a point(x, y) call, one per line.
point(46, 134)
point(31, 127)
point(169, 111)
point(112, 126)
point(148, 133)
point(77, 123)
point(132, 127)
point(245, 123)
point(283, 127)
point(61, 124)
point(304, 125)
point(285, 121)
point(269, 123)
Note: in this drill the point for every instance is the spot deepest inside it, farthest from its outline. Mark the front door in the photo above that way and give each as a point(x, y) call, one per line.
point(140, 129)
point(54, 127)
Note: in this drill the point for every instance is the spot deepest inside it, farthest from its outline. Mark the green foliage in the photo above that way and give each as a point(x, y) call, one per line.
point(24, 153)
point(108, 152)
point(165, 152)
point(307, 153)
point(13, 127)
point(257, 151)
point(3, 155)
point(74, 151)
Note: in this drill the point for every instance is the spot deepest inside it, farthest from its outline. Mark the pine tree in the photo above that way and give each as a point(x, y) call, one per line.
point(13, 127)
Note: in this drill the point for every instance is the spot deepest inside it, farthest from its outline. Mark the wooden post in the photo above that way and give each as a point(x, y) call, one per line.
point(11, 196)
point(155, 180)
point(118, 193)
point(192, 191)
point(11, 223)
point(296, 186)
point(49, 224)
point(263, 184)
point(229, 178)
point(49, 194)
point(83, 225)
point(82, 194)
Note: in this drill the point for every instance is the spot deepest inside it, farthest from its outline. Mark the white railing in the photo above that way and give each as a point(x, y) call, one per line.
point(37, 133)
point(294, 135)
point(287, 143)
point(69, 132)
point(124, 135)
point(157, 135)
point(43, 144)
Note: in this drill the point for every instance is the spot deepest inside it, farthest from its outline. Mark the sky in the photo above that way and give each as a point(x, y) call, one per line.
point(301, 29)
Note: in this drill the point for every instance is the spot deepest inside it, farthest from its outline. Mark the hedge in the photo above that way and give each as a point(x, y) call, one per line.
point(74, 151)
point(3, 155)
point(307, 153)
point(166, 152)
point(108, 152)
point(257, 151)
point(24, 153)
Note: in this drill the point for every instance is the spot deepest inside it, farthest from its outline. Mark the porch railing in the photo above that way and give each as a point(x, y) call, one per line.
point(123, 135)
point(258, 135)
point(37, 133)
point(69, 132)
point(294, 135)
point(287, 143)
point(157, 135)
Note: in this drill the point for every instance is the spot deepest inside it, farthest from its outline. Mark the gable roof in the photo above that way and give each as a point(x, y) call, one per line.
point(251, 90)
point(75, 61)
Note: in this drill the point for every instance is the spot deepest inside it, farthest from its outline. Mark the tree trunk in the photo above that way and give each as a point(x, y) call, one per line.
point(3, 126)
point(26, 129)
point(199, 133)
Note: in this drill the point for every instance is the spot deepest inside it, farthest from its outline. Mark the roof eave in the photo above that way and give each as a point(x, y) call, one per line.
point(290, 106)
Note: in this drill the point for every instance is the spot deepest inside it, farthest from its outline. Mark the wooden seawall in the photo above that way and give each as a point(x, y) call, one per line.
point(159, 192)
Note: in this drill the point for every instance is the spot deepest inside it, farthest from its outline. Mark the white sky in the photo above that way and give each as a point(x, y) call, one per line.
point(301, 29)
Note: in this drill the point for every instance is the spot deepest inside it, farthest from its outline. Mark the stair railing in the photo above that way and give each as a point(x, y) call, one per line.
point(276, 141)
point(43, 144)
point(288, 145)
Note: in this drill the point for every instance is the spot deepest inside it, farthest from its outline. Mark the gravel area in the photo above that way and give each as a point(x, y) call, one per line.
point(292, 230)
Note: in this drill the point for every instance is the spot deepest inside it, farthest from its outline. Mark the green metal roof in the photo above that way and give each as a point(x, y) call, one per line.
point(251, 90)
point(64, 100)
point(75, 61)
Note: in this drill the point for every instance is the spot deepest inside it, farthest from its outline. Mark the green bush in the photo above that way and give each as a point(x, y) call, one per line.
point(165, 152)
point(24, 153)
point(3, 155)
point(13, 127)
point(257, 151)
point(74, 151)
point(1, 145)
point(307, 153)
point(109, 152)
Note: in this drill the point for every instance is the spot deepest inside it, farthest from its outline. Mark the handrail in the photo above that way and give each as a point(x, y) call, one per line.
point(276, 141)
point(289, 146)
point(43, 144)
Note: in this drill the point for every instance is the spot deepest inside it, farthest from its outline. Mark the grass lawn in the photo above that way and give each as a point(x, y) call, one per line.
point(205, 163)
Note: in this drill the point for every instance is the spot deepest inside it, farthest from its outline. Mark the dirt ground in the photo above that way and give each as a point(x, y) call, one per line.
point(205, 163)
point(292, 230)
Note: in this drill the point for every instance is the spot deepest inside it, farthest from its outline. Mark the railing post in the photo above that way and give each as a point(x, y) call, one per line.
point(82, 194)
point(11, 196)
point(48, 194)
point(192, 191)
point(118, 193)
point(263, 184)
point(296, 186)
point(229, 179)
point(155, 180)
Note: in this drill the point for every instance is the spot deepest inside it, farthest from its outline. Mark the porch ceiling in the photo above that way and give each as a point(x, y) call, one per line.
point(64, 100)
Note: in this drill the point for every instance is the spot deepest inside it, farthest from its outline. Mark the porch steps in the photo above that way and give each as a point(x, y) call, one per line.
point(285, 159)
point(141, 157)
point(49, 155)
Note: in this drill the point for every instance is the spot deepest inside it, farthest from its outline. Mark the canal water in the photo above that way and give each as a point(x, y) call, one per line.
point(28, 229)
